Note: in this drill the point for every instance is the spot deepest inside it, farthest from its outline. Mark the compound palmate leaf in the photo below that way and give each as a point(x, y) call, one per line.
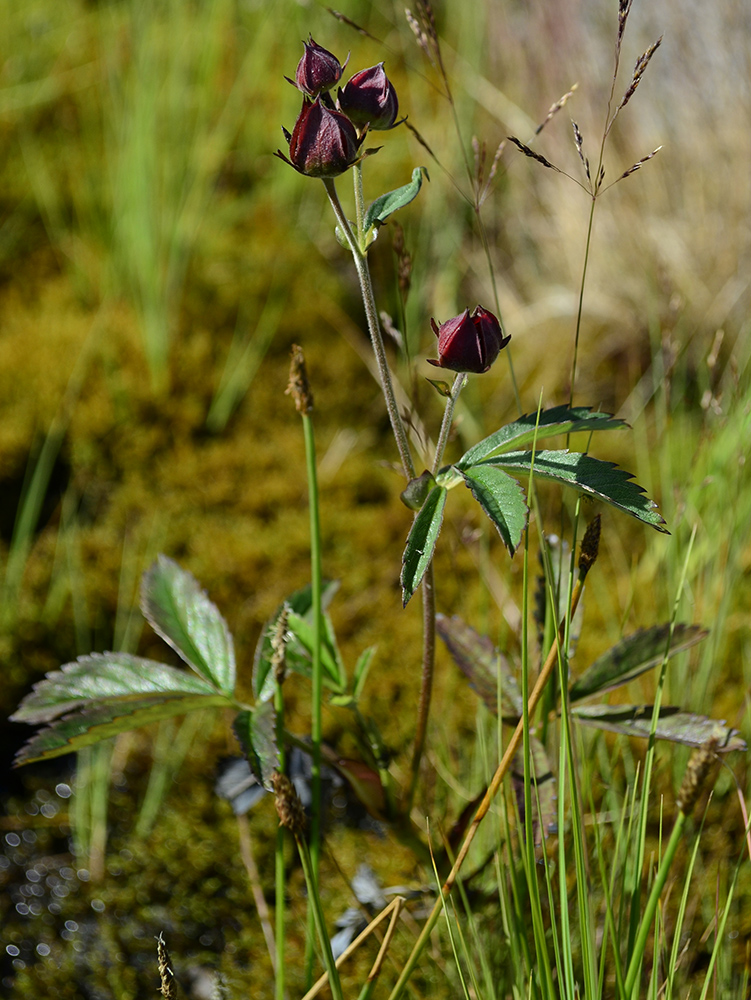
point(179, 611)
point(502, 499)
point(421, 541)
point(529, 428)
point(105, 677)
point(102, 720)
point(603, 480)
point(673, 724)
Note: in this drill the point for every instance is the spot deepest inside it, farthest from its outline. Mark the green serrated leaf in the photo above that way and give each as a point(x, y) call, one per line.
point(603, 480)
point(502, 499)
point(179, 611)
point(421, 541)
point(634, 655)
point(101, 721)
point(673, 724)
point(104, 677)
point(361, 671)
point(557, 420)
point(297, 657)
point(256, 733)
point(480, 662)
point(380, 209)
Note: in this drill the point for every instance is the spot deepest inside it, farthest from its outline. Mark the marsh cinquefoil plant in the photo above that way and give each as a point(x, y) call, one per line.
point(101, 695)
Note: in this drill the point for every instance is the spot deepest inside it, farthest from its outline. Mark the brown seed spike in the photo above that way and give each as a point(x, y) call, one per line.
point(700, 766)
point(590, 545)
point(288, 804)
point(168, 987)
point(641, 64)
point(299, 387)
point(524, 148)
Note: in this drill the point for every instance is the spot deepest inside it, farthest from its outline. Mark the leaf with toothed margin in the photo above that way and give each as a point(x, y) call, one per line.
point(673, 724)
point(256, 733)
point(529, 428)
point(481, 664)
point(179, 611)
point(105, 678)
point(634, 655)
point(592, 476)
point(421, 541)
point(102, 720)
point(502, 499)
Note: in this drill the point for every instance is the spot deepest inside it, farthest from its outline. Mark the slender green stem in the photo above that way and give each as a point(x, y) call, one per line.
point(650, 909)
point(374, 328)
point(580, 308)
point(279, 873)
point(426, 680)
point(460, 380)
point(428, 615)
point(315, 905)
point(317, 670)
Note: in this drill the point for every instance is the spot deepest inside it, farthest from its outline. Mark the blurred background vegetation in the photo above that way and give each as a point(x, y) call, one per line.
point(156, 264)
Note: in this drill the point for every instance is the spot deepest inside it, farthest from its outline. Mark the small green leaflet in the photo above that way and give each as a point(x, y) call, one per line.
point(102, 720)
point(502, 499)
point(603, 480)
point(421, 541)
point(380, 209)
point(525, 430)
point(673, 724)
point(255, 731)
point(634, 655)
point(105, 677)
point(298, 647)
point(179, 611)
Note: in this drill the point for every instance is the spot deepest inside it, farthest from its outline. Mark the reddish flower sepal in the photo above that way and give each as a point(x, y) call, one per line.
point(369, 99)
point(470, 342)
point(323, 143)
point(318, 70)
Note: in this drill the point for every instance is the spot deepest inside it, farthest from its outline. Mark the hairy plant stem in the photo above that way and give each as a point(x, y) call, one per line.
point(460, 380)
point(374, 328)
point(356, 246)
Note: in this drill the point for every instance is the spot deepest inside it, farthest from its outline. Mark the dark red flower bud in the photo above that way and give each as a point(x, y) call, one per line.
point(469, 343)
point(369, 98)
point(323, 142)
point(318, 70)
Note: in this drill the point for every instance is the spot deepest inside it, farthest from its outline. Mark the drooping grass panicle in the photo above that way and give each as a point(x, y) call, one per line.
point(579, 142)
point(641, 64)
point(556, 107)
point(524, 148)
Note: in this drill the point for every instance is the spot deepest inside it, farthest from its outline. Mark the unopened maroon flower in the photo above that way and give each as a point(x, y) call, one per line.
point(470, 342)
point(318, 71)
point(369, 98)
point(323, 142)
